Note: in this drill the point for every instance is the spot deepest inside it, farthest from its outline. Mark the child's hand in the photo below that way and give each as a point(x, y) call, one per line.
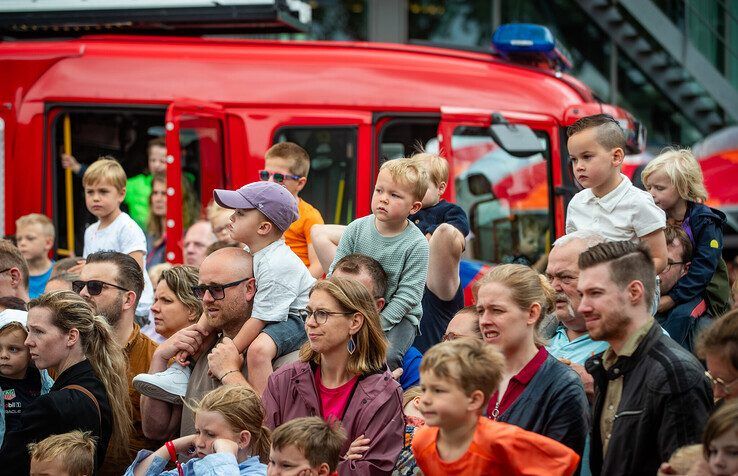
point(69, 162)
point(397, 373)
point(184, 444)
point(182, 358)
point(221, 445)
point(357, 449)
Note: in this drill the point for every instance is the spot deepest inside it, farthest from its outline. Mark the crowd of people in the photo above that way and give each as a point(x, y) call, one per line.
point(285, 346)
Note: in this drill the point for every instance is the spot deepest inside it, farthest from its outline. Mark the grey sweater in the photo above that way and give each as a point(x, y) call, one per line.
point(405, 260)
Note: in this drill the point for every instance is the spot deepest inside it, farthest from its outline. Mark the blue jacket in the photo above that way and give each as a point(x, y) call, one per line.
point(553, 404)
point(216, 464)
point(428, 219)
point(46, 383)
point(706, 225)
point(684, 321)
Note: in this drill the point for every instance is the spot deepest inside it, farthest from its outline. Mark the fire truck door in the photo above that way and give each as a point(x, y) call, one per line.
point(196, 149)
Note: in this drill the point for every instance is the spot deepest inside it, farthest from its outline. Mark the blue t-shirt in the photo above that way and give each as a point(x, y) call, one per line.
point(577, 350)
point(37, 283)
point(411, 368)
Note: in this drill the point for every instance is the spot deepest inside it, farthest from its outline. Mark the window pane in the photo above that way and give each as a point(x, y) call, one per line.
point(405, 137)
point(331, 185)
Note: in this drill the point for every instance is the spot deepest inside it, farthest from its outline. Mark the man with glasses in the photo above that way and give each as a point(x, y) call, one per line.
point(14, 276)
point(465, 323)
point(226, 287)
point(686, 320)
point(113, 282)
point(651, 394)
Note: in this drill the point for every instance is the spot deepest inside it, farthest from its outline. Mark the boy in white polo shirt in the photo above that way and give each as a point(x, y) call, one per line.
point(610, 204)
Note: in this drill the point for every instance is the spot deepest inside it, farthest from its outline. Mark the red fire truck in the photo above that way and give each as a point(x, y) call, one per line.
point(498, 118)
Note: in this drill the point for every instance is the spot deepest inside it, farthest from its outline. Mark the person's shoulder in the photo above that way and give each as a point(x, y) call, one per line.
point(674, 369)
point(702, 211)
point(379, 385)
point(559, 375)
point(304, 207)
point(581, 197)
point(424, 438)
point(138, 180)
point(413, 232)
point(291, 370)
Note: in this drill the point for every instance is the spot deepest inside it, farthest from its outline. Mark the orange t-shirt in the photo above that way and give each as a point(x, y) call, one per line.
point(297, 235)
point(497, 449)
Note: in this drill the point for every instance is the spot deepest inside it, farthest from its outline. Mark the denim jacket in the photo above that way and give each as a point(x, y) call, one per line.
point(216, 464)
point(46, 383)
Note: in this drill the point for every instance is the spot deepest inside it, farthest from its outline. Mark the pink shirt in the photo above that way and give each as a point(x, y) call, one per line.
point(333, 401)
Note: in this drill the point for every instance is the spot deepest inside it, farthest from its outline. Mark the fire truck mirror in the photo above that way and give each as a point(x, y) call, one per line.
point(478, 184)
point(518, 140)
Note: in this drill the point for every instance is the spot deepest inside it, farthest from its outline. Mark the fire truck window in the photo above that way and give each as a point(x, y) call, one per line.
point(405, 137)
point(511, 222)
point(331, 185)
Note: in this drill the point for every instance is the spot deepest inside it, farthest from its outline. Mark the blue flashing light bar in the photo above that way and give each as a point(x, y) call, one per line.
point(526, 41)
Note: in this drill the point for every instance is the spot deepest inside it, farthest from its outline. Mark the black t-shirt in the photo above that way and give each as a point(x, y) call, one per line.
point(436, 315)
point(18, 394)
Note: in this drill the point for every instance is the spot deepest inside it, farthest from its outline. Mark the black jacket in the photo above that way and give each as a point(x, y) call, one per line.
point(428, 219)
point(60, 411)
point(665, 403)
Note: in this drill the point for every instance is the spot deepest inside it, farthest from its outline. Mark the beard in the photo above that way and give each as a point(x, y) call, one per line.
point(113, 312)
point(612, 326)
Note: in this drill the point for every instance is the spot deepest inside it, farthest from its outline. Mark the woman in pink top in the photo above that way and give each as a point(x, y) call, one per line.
point(342, 375)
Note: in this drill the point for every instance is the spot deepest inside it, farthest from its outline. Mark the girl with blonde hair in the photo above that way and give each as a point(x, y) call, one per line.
point(537, 392)
point(90, 392)
point(675, 182)
point(342, 375)
point(229, 439)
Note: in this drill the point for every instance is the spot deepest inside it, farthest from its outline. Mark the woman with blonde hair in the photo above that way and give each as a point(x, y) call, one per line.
point(229, 438)
point(90, 392)
point(342, 375)
point(537, 392)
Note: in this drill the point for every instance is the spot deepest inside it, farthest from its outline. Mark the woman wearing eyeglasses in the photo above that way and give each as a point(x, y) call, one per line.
point(342, 375)
point(537, 392)
point(718, 346)
point(90, 392)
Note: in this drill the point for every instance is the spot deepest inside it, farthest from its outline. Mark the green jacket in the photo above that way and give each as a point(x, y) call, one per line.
point(138, 190)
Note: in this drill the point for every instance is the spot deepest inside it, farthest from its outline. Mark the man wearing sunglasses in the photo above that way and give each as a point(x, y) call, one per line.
point(113, 282)
point(226, 287)
point(14, 275)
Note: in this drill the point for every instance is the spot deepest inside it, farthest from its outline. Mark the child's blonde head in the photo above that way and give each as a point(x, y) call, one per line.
point(74, 451)
point(683, 171)
point(435, 165)
point(12, 327)
point(241, 408)
point(722, 421)
point(292, 152)
point(470, 363)
point(318, 440)
point(105, 170)
point(44, 222)
point(408, 174)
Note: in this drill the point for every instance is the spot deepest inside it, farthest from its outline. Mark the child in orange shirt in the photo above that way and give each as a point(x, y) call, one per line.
point(457, 378)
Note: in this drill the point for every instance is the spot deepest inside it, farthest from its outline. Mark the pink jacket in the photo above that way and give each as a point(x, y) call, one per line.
point(374, 410)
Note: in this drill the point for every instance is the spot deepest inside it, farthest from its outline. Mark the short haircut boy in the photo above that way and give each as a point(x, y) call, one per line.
point(435, 165)
point(75, 452)
point(318, 440)
point(470, 363)
point(300, 159)
point(105, 170)
point(11, 257)
point(356, 263)
point(47, 227)
point(130, 274)
point(610, 134)
point(407, 173)
point(627, 262)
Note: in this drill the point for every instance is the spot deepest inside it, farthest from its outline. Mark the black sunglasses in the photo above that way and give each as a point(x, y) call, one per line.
point(217, 291)
point(279, 178)
point(94, 286)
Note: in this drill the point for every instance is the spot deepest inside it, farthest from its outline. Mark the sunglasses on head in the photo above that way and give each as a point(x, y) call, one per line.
point(94, 286)
point(217, 291)
point(279, 178)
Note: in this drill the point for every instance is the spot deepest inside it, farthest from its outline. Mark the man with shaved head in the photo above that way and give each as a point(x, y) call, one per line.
point(227, 286)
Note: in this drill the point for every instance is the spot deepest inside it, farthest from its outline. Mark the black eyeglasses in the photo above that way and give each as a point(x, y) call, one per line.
point(94, 286)
point(670, 263)
point(448, 336)
point(5, 270)
point(217, 291)
point(321, 315)
point(279, 178)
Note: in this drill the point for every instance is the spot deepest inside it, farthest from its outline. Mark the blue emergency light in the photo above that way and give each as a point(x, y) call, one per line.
point(521, 41)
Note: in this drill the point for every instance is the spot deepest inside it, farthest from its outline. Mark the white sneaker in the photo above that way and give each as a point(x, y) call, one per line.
point(168, 386)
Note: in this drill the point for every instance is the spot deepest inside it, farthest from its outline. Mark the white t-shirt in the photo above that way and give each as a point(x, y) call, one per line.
point(625, 214)
point(125, 236)
point(283, 283)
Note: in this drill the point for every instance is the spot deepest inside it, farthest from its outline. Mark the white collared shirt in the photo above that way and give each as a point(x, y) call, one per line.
point(625, 214)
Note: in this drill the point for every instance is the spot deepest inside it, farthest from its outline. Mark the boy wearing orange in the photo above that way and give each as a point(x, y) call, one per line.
point(457, 378)
point(288, 164)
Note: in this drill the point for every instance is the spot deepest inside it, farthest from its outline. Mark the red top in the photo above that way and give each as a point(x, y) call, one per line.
point(517, 384)
point(497, 449)
point(333, 401)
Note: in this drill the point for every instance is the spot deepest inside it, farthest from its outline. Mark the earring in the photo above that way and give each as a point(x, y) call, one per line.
point(351, 345)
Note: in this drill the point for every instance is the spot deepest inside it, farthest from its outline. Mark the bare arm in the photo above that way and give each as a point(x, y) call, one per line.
point(325, 240)
point(446, 245)
point(656, 244)
point(248, 333)
point(139, 257)
point(315, 268)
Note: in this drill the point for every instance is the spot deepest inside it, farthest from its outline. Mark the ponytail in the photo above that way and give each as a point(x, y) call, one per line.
point(262, 443)
point(106, 356)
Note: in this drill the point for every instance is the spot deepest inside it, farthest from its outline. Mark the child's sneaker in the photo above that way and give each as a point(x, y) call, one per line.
point(168, 386)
